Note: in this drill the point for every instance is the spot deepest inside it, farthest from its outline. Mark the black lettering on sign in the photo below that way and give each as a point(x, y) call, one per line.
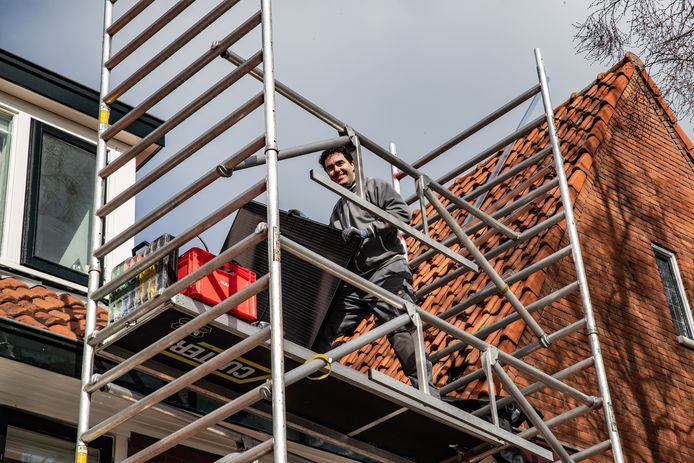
point(239, 370)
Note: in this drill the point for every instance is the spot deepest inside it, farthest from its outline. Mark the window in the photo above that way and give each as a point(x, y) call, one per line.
point(28, 438)
point(59, 203)
point(5, 131)
point(674, 292)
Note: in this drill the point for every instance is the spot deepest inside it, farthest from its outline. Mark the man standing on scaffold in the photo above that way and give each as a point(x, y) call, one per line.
point(381, 260)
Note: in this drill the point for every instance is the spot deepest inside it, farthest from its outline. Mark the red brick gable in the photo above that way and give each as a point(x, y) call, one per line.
point(42, 308)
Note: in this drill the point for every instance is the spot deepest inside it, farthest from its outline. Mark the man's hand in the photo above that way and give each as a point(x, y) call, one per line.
point(349, 232)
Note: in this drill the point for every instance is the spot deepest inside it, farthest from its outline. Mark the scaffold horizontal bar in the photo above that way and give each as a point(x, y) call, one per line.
point(532, 432)
point(516, 169)
point(476, 127)
point(393, 221)
point(342, 273)
point(223, 429)
point(290, 94)
point(298, 424)
point(490, 290)
point(250, 455)
point(219, 414)
point(179, 198)
point(519, 353)
point(494, 252)
point(180, 116)
point(128, 16)
point(529, 390)
point(426, 255)
point(559, 334)
point(475, 160)
point(481, 428)
point(473, 210)
point(545, 378)
point(488, 269)
point(178, 384)
point(504, 357)
point(231, 206)
point(179, 333)
point(169, 411)
point(148, 33)
point(531, 414)
point(181, 77)
point(361, 283)
point(591, 451)
point(530, 308)
point(516, 204)
point(324, 116)
point(183, 154)
point(527, 234)
point(296, 151)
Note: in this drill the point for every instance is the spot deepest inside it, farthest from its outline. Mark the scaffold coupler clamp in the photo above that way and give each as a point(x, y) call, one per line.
point(411, 310)
point(215, 45)
point(490, 357)
point(223, 171)
point(266, 390)
point(353, 138)
point(423, 182)
point(545, 341)
point(327, 360)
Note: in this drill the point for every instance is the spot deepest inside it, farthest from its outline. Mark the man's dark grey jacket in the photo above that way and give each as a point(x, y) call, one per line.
point(384, 246)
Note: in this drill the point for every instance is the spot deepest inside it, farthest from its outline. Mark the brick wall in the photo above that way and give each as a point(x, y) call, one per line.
point(640, 191)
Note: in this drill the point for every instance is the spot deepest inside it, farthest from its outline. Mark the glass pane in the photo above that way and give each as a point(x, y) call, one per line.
point(672, 293)
point(5, 121)
point(31, 447)
point(65, 203)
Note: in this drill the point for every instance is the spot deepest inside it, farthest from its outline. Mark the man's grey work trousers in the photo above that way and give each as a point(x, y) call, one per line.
point(353, 305)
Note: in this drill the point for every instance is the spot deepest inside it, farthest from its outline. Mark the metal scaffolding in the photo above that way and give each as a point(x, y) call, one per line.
point(460, 248)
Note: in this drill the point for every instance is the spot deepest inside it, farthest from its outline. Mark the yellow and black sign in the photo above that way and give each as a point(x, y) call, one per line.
point(239, 370)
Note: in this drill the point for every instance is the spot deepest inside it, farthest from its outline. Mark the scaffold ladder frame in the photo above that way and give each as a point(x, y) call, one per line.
point(434, 191)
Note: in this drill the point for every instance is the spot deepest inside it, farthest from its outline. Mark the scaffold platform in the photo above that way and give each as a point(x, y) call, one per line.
point(378, 411)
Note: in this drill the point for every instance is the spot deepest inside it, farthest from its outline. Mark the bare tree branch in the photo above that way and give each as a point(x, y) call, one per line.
point(660, 32)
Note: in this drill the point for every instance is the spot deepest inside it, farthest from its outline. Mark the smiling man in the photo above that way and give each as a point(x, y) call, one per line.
point(381, 260)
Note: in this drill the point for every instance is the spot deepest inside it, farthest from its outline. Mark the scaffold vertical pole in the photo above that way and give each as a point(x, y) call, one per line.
point(395, 175)
point(96, 234)
point(591, 326)
point(279, 425)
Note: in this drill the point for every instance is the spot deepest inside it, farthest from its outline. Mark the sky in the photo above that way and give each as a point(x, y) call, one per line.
point(409, 72)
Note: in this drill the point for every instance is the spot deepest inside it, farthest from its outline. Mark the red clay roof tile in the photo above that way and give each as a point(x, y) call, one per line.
point(43, 308)
point(64, 330)
point(29, 320)
point(9, 283)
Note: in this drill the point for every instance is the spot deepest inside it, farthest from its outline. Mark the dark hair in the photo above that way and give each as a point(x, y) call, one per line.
point(339, 149)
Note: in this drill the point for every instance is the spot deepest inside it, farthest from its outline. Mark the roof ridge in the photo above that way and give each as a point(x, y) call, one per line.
point(639, 66)
point(657, 94)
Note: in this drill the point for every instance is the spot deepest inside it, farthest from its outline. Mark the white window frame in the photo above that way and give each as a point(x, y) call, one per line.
point(689, 319)
point(23, 111)
point(8, 112)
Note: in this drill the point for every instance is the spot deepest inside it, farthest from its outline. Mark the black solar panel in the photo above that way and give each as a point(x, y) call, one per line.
point(307, 292)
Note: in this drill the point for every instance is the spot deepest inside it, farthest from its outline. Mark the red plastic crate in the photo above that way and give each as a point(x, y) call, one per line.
point(218, 285)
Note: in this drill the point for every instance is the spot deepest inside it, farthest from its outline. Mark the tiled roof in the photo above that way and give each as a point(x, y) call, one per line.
point(40, 307)
point(581, 125)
